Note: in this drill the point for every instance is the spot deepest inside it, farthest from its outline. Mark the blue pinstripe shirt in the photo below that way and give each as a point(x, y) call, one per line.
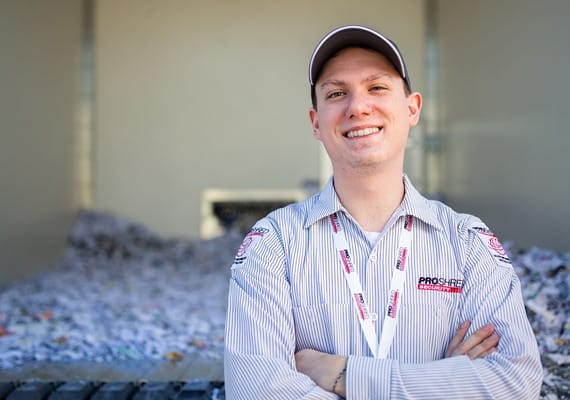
point(288, 293)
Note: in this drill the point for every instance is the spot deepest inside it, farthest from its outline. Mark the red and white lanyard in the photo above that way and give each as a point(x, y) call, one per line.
point(382, 348)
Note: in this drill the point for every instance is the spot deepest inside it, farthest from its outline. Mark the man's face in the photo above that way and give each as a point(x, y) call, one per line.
point(363, 114)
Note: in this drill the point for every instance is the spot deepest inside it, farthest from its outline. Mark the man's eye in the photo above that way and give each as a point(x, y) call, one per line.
point(377, 88)
point(337, 93)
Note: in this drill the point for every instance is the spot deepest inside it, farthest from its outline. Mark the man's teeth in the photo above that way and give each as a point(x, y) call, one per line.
point(362, 132)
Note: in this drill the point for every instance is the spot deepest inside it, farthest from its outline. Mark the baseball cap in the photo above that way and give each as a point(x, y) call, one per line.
point(355, 36)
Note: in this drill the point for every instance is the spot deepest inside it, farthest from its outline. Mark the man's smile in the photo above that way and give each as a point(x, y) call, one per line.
point(362, 132)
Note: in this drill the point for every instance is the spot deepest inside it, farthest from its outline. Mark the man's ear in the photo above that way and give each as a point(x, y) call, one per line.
point(414, 108)
point(313, 116)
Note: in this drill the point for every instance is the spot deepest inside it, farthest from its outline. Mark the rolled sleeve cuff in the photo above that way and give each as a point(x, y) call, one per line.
point(368, 378)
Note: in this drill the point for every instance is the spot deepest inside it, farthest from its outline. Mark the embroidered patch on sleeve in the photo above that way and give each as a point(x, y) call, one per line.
point(251, 239)
point(493, 245)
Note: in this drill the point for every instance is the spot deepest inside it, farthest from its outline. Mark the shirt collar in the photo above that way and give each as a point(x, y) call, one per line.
point(417, 205)
point(327, 203)
point(414, 204)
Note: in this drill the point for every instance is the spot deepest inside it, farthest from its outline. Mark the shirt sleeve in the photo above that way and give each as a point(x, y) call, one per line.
point(492, 295)
point(259, 359)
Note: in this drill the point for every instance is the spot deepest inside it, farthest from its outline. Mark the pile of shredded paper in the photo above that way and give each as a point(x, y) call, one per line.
point(122, 292)
point(545, 282)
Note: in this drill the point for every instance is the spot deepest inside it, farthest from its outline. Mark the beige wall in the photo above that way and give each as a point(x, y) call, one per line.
point(198, 94)
point(504, 107)
point(39, 66)
point(195, 94)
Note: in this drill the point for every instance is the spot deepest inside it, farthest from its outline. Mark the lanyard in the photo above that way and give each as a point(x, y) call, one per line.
point(382, 348)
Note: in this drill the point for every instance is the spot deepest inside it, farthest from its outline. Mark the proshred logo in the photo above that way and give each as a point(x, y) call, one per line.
point(346, 261)
point(335, 223)
point(401, 263)
point(393, 304)
point(440, 284)
point(254, 235)
point(493, 244)
point(361, 305)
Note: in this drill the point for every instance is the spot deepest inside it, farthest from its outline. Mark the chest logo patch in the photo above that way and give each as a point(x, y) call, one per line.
point(447, 285)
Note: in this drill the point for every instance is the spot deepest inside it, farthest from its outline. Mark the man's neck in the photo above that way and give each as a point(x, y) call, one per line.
point(370, 199)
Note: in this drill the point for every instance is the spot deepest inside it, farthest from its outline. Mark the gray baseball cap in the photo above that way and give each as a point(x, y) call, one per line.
point(355, 36)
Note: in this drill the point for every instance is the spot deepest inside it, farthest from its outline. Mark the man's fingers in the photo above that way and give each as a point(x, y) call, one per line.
point(481, 343)
point(457, 339)
point(475, 339)
point(490, 351)
point(482, 349)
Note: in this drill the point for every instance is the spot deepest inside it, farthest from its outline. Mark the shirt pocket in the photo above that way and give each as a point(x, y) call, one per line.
point(425, 328)
point(325, 327)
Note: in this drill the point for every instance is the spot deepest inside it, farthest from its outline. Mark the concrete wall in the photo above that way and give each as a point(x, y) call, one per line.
point(192, 95)
point(39, 74)
point(505, 121)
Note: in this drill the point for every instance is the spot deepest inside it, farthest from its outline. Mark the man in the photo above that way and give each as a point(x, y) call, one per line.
point(358, 291)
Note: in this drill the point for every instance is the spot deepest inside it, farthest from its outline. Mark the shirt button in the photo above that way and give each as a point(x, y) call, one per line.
point(373, 257)
point(374, 316)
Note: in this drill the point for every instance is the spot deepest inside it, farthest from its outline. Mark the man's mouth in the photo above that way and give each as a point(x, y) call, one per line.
point(362, 132)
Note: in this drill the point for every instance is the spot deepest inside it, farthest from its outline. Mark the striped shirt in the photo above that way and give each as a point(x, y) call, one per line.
point(288, 292)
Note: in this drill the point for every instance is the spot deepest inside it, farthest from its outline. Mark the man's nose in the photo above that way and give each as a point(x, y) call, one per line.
point(358, 104)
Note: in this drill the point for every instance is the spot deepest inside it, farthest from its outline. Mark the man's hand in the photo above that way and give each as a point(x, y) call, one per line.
point(478, 345)
point(323, 369)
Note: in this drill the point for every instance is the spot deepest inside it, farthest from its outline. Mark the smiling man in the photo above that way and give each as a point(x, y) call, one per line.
point(367, 289)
